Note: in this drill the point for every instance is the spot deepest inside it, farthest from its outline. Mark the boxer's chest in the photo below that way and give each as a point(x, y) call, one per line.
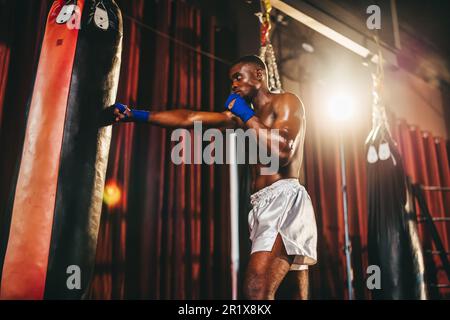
point(267, 116)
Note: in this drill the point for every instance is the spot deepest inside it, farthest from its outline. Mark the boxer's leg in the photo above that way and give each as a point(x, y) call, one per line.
point(294, 286)
point(298, 281)
point(265, 272)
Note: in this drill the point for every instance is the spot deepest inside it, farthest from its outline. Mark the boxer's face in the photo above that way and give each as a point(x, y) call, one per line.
point(246, 80)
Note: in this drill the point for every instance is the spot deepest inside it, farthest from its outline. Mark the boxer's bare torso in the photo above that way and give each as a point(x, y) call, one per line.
point(268, 114)
point(283, 111)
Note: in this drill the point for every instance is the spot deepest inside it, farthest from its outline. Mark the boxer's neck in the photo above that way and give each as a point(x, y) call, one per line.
point(262, 98)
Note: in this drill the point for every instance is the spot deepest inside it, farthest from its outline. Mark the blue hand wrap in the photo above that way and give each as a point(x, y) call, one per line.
point(121, 107)
point(239, 107)
point(140, 115)
point(137, 115)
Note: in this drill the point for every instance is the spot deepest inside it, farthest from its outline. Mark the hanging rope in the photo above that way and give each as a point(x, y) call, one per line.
point(267, 53)
point(379, 116)
point(380, 137)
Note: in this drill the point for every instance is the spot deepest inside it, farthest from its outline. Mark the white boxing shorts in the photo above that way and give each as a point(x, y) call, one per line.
point(284, 208)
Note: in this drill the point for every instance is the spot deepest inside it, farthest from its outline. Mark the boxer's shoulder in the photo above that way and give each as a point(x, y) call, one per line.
point(288, 103)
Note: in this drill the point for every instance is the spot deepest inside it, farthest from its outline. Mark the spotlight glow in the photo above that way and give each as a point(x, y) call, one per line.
point(112, 194)
point(341, 107)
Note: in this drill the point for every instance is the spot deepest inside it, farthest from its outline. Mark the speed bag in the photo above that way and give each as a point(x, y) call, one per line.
point(56, 199)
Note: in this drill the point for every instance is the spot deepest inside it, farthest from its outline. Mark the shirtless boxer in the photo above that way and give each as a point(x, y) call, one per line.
point(282, 223)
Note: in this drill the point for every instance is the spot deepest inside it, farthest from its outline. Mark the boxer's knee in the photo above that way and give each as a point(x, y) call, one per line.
point(256, 287)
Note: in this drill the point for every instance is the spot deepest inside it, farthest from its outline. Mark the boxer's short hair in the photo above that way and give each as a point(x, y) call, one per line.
point(252, 59)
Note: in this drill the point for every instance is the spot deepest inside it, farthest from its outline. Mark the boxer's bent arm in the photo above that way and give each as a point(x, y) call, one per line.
point(184, 118)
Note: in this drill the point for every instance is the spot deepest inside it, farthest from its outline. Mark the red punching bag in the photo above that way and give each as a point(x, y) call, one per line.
point(57, 197)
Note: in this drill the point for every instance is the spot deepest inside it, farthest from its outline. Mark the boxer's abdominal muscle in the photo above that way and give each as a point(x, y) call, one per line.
point(291, 170)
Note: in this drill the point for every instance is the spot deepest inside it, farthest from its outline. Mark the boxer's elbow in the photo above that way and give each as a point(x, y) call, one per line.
point(286, 152)
point(186, 119)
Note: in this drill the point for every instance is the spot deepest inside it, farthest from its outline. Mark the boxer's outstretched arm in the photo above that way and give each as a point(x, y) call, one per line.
point(183, 118)
point(178, 118)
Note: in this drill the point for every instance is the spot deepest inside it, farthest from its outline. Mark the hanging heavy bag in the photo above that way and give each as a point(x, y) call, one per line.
point(57, 198)
point(393, 243)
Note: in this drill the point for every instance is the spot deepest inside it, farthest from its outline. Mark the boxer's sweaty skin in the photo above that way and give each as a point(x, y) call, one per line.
point(284, 112)
point(268, 115)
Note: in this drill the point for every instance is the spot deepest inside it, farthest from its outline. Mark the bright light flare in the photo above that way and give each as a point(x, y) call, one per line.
point(112, 194)
point(341, 107)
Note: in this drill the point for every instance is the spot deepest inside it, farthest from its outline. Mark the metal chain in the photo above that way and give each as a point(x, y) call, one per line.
point(267, 54)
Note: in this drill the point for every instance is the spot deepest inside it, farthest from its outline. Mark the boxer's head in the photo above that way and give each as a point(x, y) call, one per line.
point(248, 75)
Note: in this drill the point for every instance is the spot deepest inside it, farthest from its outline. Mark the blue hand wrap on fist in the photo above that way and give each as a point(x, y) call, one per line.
point(239, 107)
point(121, 107)
point(137, 115)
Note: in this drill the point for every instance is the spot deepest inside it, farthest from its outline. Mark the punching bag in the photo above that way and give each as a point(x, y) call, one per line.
point(393, 242)
point(57, 198)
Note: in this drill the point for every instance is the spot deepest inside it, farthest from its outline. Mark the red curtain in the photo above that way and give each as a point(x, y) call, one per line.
point(5, 51)
point(167, 238)
point(427, 163)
